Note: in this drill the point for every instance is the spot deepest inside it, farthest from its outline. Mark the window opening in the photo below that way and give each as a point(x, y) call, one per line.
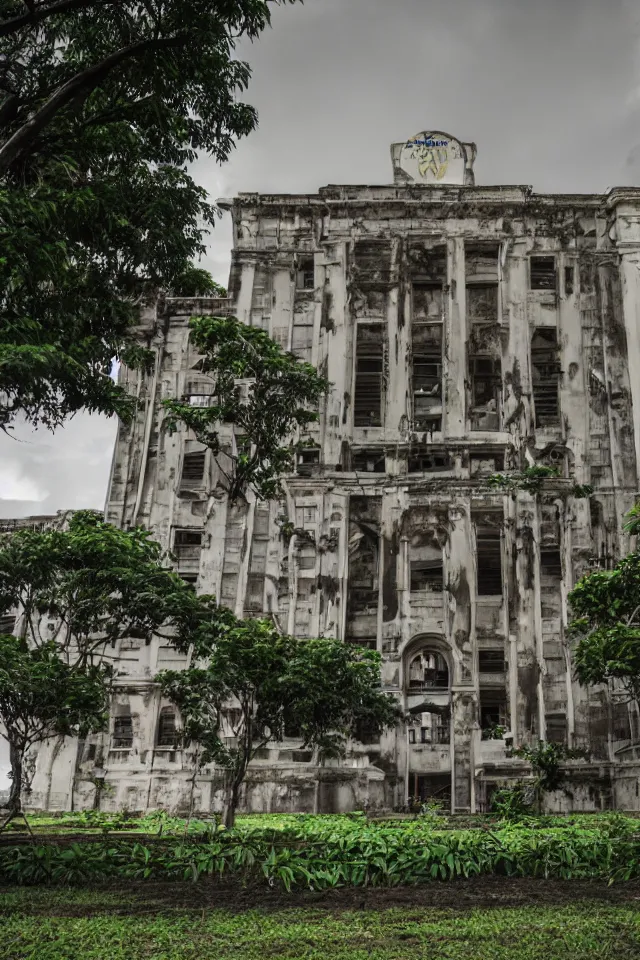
point(369, 372)
point(167, 733)
point(427, 375)
point(491, 661)
point(489, 562)
point(542, 273)
point(428, 670)
point(545, 369)
point(123, 732)
point(305, 279)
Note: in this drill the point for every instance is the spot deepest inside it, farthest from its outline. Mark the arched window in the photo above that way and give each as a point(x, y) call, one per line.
point(427, 670)
point(167, 733)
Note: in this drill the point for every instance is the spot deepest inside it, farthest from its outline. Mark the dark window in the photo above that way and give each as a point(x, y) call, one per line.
point(489, 563)
point(123, 732)
point(422, 461)
point(255, 592)
point(192, 470)
point(188, 538)
point(545, 375)
point(428, 670)
point(568, 280)
point(485, 392)
point(484, 464)
point(308, 458)
point(412, 734)
point(491, 661)
point(167, 733)
point(367, 404)
point(557, 728)
point(427, 375)
point(190, 578)
point(426, 575)
point(550, 562)
point(543, 273)
point(493, 709)
point(482, 303)
point(437, 731)
point(368, 461)
point(306, 274)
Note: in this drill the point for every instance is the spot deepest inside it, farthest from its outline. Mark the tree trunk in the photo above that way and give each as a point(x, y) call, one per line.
point(15, 794)
point(52, 759)
point(231, 804)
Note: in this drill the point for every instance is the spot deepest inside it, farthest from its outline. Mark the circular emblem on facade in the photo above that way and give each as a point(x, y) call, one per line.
point(433, 157)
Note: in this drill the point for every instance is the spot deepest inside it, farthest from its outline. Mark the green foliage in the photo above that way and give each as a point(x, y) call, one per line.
point(282, 395)
point(324, 852)
point(545, 760)
point(632, 525)
point(323, 687)
point(512, 803)
point(103, 107)
point(605, 605)
point(94, 584)
point(42, 696)
point(531, 479)
point(194, 282)
point(581, 491)
point(495, 732)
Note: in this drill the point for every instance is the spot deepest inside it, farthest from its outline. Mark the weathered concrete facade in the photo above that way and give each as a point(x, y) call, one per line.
point(466, 330)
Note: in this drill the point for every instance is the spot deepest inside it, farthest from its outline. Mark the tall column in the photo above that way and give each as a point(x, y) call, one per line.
point(455, 365)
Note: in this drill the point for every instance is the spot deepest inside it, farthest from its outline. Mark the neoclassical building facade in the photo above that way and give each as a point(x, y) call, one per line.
point(467, 331)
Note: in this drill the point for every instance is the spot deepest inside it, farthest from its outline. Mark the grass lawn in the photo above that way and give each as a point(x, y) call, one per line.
point(482, 919)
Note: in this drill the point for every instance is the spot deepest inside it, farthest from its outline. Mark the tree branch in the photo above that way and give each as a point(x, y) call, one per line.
point(36, 14)
point(82, 83)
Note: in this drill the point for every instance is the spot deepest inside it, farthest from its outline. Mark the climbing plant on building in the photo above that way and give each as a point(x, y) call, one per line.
point(102, 107)
point(280, 394)
point(76, 592)
point(250, 684)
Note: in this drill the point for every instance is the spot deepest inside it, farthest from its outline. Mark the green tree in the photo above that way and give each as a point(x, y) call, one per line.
point(41, 696)
point(103, 105)
point(249, 683)
point(606, 608)
point(194, 282)
point(281, 395)
point(76, 592)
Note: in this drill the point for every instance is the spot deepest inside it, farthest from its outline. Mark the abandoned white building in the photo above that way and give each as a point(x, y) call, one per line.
point(466, 330)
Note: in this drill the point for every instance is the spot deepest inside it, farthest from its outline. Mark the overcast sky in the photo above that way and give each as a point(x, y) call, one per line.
point(548, 90)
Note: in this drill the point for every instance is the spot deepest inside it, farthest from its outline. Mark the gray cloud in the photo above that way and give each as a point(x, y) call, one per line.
point(549, 91)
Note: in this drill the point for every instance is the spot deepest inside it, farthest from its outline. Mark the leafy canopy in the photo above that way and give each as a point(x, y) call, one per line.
point(282, 394)
point(605, 605)
point(95, 582)
point(250, 683)
point(102, 107)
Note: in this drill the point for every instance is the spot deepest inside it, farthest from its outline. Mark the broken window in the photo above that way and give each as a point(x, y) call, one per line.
point(568, 280)
point(493, 709)
point(550, 562)
point(427, 574)
point(302, 336)
point(199, 394)
point(123, 732)
point(486, 378)
point(428, 670)
point(372, 262)
point(542, 273)
point(483, 464)
point(305, 276)
point(167, 732)
point(426, 303)
point(368, 400)
point(364, 526)
point(192, 477)
point(491, 661)
point(368, 461)
point(260, 296)
point(308, 461)
point(481, 271)
point(545, 368)
point(556, 725)
point(187, 546)
point(435, 729)
point(423, 460)
point(426, 346)
point(489, 562)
